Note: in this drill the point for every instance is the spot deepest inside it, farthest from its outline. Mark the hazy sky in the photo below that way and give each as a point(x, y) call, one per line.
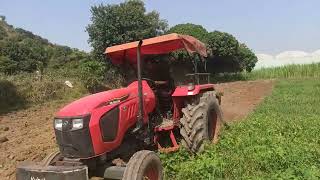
point(267, 26)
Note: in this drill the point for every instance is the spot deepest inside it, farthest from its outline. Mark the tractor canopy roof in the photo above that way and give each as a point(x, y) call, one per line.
point(155, 46)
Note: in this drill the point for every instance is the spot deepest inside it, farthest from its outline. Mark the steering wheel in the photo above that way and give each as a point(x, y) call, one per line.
point(150, 82)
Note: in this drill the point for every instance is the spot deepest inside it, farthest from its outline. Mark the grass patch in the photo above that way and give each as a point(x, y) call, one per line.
point(280, 140)
point(25, 89)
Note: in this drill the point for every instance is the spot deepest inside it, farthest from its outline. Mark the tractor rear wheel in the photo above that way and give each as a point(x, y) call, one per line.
point(200, 122)
point(144, 165)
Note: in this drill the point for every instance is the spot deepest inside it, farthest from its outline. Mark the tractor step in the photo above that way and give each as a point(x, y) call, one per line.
point(35, 171)
point(167, 124)
point(166, 129)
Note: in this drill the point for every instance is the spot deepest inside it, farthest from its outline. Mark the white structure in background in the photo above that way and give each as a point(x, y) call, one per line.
point(286, 58)
point(316, 53)
point(292, 55)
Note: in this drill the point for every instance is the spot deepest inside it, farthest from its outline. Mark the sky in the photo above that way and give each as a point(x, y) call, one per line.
point(266, 26)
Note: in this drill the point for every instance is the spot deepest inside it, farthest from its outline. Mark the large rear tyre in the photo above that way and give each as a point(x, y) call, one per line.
point(200, 122)
point(144, 165)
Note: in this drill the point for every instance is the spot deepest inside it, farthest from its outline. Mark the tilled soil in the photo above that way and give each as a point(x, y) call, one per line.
point(30, 137)
point(27, 135)
point(241, 97)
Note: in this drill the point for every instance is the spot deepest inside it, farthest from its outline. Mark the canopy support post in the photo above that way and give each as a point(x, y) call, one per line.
point(140, 90)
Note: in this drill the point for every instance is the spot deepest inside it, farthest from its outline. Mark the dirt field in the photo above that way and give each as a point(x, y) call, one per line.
point(241, 97)
point(30, 134)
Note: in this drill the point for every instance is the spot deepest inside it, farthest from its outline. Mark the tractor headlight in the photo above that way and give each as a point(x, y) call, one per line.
point(58, 124)
point(77, 124)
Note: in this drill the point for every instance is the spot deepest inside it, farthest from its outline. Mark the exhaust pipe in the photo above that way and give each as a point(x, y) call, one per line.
point(140, 91)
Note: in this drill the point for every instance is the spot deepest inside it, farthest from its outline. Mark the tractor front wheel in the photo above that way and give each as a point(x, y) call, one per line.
point(200, 122)
point(144, 165)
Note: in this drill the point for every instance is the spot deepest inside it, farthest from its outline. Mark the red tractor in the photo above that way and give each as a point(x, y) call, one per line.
point(114, 134)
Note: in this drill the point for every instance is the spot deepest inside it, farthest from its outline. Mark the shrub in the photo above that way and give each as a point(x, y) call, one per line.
point(92, 74)
point(41, 91)
point(9, 96)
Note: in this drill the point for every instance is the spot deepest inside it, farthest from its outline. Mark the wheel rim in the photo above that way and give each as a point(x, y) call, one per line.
point(151, 173)
point(212, 122)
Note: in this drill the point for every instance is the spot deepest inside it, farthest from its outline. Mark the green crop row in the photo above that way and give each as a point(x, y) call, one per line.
point(279, 140)
point(288, 71)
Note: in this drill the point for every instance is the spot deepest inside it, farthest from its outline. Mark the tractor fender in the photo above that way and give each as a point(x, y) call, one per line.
point(183, 90)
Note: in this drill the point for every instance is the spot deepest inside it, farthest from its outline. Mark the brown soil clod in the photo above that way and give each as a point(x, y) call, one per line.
point(3, 139)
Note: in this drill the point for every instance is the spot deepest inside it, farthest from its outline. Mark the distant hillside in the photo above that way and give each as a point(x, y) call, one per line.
point(23, 51)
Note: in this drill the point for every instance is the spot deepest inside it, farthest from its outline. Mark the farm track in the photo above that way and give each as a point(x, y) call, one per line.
point(30, 133)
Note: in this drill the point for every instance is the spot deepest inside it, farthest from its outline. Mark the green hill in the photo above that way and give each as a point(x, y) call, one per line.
point(23, 51)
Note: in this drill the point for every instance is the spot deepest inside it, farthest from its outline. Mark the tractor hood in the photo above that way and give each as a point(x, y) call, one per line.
point(86, 104)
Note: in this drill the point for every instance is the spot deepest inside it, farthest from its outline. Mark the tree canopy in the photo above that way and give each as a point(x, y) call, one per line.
point(222, 44)
point(113, 24)
point(194, 30)
point(226, 54)
point(247, 58)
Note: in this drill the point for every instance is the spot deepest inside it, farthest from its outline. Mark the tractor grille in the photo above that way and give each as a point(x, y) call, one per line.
point(77, 143)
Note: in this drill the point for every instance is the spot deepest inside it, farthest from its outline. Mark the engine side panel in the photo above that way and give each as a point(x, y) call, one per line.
point(128, 110)
point(108, 122)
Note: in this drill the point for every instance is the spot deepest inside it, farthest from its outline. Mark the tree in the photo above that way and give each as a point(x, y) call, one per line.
point(2, 18)
point(194, 30)
point(222, 44)
point(17, 53)
point(28, 55)
point(7, 66)
point(227, 54)
point(246, 58)
point(117, 24)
